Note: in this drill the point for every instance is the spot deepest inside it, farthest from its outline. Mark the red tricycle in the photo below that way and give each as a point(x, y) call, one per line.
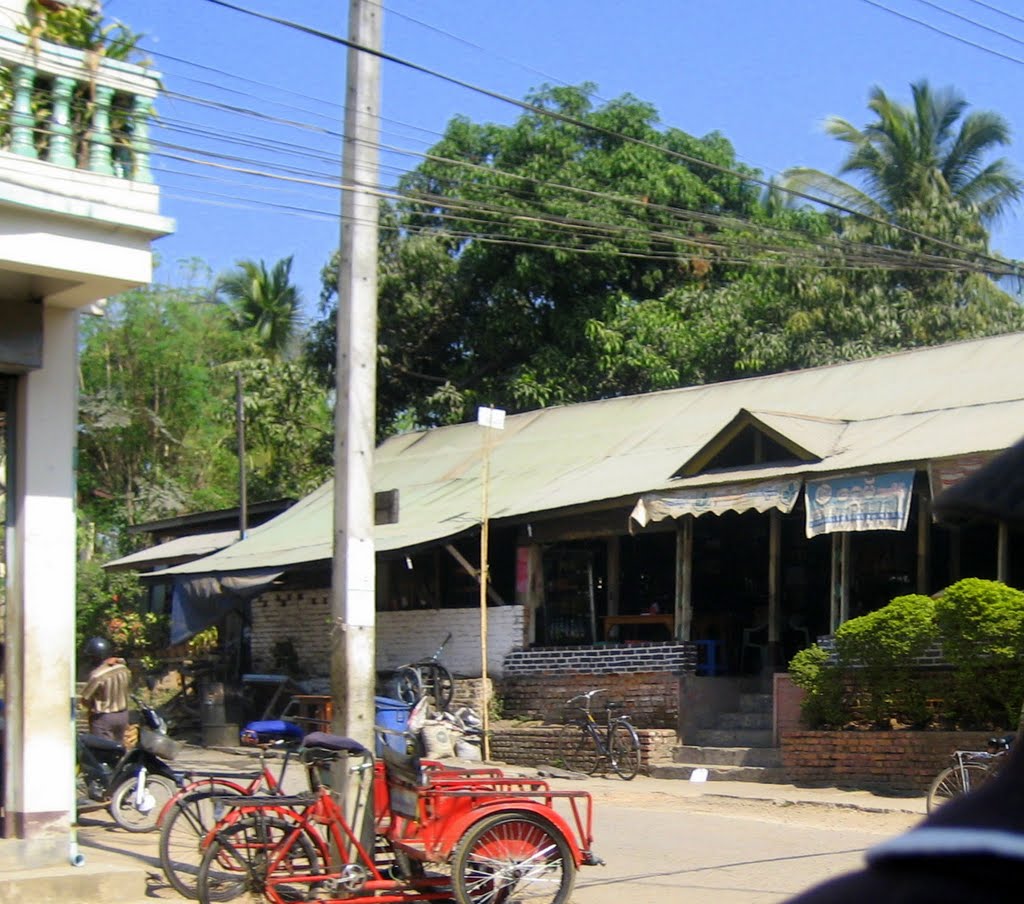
point(414, 831)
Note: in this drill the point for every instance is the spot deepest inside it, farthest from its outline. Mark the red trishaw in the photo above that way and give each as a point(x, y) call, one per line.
point(415, 831)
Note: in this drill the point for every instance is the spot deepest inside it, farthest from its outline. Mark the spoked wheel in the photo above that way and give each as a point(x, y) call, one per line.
point(510, 858)
point(954, 781)
point(407, 684)
point(137, 812)
point(440, 685)
point(243, 859)
point(624, 750)
point(576, 749)
point(185, 826)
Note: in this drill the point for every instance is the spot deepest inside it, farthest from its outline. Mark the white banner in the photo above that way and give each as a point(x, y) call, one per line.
point(863, 502)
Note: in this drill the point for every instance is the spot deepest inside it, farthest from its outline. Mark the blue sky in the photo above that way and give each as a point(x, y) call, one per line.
point(765, 73)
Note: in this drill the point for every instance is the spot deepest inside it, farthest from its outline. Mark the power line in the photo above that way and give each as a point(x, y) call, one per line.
point(996, 9)
point(971, 21)
point(930, 27)
point(569, 120)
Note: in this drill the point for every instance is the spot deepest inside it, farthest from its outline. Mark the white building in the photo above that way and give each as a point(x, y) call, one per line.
point(78, 212)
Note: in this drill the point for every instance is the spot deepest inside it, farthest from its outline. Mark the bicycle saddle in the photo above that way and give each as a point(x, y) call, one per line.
point(333, 742)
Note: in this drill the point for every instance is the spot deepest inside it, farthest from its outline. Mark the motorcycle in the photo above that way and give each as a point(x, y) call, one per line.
point(134, 783)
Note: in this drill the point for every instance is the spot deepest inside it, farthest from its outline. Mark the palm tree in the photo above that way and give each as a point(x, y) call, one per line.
point(268, 303)
point(922, 161)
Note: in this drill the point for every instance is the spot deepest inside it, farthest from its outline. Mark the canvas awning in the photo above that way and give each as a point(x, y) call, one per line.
point(730, 497)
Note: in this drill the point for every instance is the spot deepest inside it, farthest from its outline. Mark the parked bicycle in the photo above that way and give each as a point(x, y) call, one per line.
point(425, 678)
point(189, 816)
point(586, 743)
point(969, 770)
point(441, 834)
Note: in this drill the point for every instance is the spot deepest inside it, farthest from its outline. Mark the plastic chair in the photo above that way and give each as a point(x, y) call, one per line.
point(750, 636)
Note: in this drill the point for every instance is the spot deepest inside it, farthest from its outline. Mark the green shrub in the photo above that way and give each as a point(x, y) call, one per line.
point(822, 684)
point(981, 627)
point(878, 651)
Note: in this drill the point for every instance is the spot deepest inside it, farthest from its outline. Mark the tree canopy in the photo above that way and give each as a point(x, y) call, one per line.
point(157, 433)
point(583, 252)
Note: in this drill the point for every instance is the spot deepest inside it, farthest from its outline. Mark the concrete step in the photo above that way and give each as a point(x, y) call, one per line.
point(758, 720)
point(725, 737)
point(87, 884)
point(771, 774)
point(756, 703)
point(728, 756)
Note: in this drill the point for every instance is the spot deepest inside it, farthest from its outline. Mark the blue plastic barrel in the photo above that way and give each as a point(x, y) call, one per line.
point(392, 716)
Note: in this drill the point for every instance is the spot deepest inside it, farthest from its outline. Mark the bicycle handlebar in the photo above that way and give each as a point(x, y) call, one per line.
point(587, 695)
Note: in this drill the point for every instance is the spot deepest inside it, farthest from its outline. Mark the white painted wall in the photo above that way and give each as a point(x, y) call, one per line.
point(304, 618)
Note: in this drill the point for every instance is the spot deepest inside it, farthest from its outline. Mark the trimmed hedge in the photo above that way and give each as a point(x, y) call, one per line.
point(872, 677)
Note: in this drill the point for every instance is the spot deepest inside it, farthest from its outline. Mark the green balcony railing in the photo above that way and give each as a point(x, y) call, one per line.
point(75, 109)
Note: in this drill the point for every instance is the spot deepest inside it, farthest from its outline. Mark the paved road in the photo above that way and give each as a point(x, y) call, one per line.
point(727, 851)
point(670, 841)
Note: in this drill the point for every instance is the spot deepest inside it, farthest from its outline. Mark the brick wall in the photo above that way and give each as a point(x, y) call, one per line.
point(874, 760)
point(304, 618)
point(540, 746)
point(617, 658)
point(650, 698)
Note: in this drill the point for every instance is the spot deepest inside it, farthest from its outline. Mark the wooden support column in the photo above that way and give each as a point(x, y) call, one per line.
point(955, 537)
point(924, 542)
point(835, 583)
point(844, 586)
point(774, 588)
point(684, 577)
point(1003, 553)
point(614, 555)
point(774, 574)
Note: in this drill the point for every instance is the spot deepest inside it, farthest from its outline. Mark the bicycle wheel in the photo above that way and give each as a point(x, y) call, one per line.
point(577, 749)
point(407, 684)
point(624, 750)
point(185, 826)
point(134, 815)
point(440, 685)
point(954, 781)
point(512, 858)
point(245, 856)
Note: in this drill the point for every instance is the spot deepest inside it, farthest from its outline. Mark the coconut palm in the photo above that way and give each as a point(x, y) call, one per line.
point(928, 158)
point(266, 302)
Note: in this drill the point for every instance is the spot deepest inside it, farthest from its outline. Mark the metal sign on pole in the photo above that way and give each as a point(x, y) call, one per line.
point(490, 419)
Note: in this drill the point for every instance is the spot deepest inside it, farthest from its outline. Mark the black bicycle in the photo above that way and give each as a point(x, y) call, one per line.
point(969, 769)
point(425, 678)
point(585, 743)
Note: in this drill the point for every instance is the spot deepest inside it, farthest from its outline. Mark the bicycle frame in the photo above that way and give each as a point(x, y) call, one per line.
point(309, 845)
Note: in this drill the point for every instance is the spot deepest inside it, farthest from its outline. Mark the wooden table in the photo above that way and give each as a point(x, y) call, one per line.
point(668, 622)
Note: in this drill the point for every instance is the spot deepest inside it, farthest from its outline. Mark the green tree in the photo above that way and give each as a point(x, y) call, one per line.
point(518, 267)
point(923, 165)
point(157, 430)
point(266, 302)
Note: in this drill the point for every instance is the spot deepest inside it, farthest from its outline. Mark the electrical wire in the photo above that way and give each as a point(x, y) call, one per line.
point(930, 27)
point(569, 120)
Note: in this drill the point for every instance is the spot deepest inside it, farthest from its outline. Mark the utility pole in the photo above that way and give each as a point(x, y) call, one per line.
point(353, 666)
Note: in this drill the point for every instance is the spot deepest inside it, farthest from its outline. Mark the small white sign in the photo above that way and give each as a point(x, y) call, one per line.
point(699, 775)
point(491, 417)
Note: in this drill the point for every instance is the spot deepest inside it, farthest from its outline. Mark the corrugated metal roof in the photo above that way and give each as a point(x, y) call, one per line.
point(902, 408)
point(176, 550)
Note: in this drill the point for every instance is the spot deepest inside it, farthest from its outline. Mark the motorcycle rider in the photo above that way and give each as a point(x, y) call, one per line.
point(105, 694)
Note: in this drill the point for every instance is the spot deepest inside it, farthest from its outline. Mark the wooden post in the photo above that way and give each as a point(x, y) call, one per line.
point(774, 585)
point(1003, 553)
point(844, 588)
point(684, 578)
point(924, 538)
